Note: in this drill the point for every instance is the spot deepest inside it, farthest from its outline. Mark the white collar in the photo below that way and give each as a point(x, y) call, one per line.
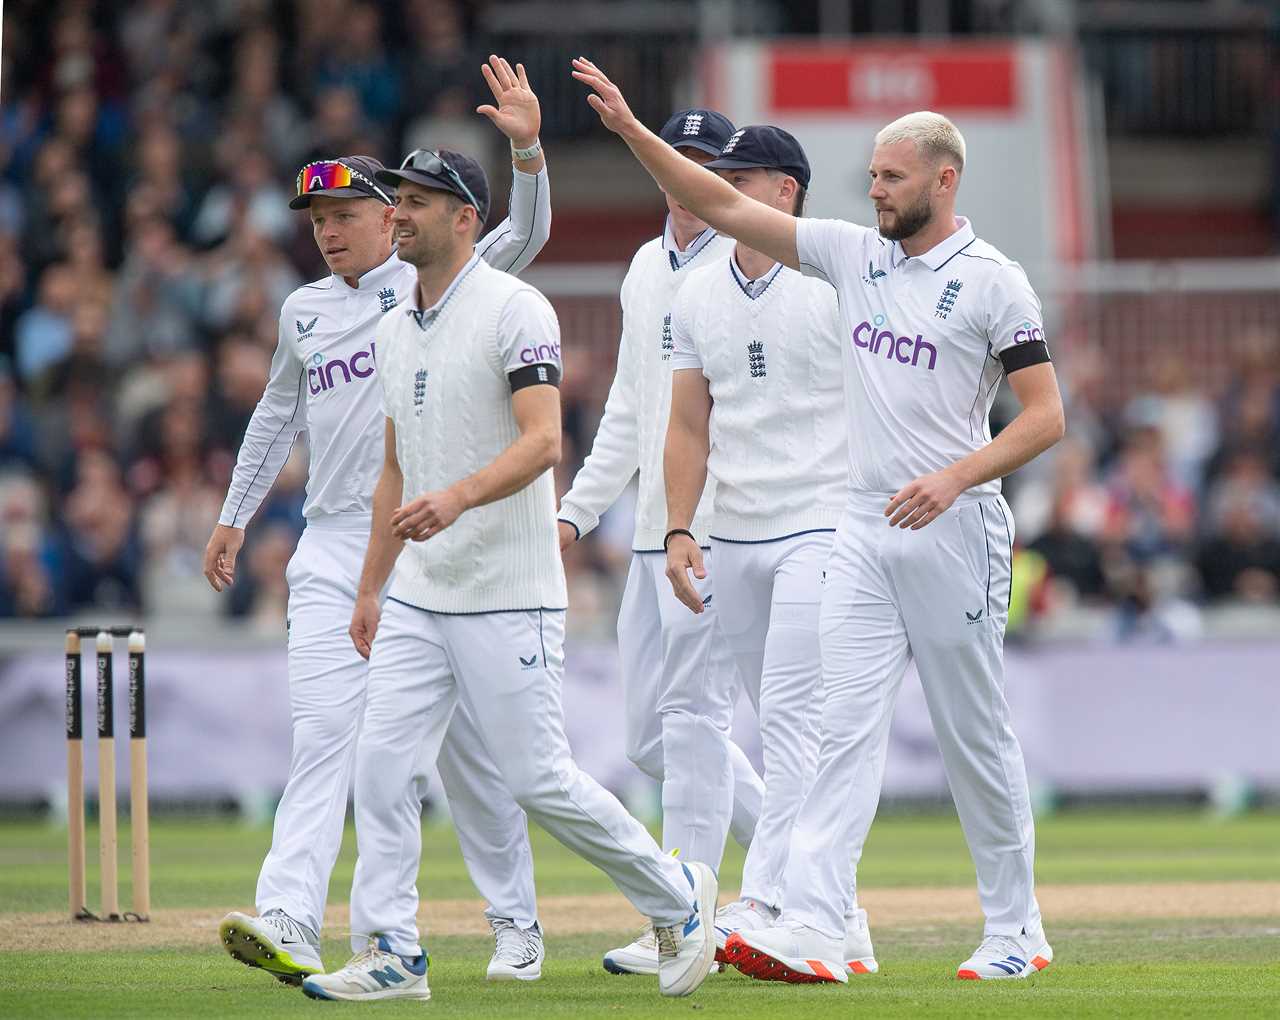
point(680, 258)
point(942, 252)
point(425, 316)
point(752, 288)
point(373, 278)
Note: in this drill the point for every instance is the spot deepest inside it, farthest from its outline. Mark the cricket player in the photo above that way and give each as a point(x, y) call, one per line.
point(678, 678)
point(933, 318)
point(755, 403)
point(323, 383)
point(464, 511)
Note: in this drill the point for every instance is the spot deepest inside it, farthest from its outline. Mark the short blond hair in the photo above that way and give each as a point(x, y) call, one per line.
point(935, 137)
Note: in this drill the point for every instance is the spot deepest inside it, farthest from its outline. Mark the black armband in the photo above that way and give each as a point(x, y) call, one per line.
point(534, 375)
point(1033, 352)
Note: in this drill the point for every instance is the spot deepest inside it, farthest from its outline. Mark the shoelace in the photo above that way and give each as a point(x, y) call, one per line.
point(667, 940)
point(285, 925)
point(1001, 946)
point(514, 942)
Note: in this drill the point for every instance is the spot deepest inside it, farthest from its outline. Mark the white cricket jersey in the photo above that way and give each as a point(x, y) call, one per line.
point(769, 349)
point(926, 342)
point(321, 380)
point(447, 375)
point(633, 431)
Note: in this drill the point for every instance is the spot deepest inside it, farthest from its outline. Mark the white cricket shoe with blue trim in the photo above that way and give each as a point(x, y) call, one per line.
point(687, 949)
point(373, 974)
point(1006, 956)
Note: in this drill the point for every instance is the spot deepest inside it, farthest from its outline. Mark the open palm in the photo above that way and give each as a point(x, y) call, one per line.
point(517, 114)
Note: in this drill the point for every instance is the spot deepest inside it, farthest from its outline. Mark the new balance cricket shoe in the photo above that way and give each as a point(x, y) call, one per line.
point(1006, 956)
point(373, 974)
point(787, 952)
point(687, 949)
point(517, 952)
point(275, 942)
point(740, 915)
point(638, 957)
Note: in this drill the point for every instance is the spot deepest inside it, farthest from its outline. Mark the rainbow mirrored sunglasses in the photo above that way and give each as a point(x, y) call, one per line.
point(326, 174)
point(435, 165)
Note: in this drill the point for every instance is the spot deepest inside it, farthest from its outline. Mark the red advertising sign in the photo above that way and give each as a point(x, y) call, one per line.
point(886, 81)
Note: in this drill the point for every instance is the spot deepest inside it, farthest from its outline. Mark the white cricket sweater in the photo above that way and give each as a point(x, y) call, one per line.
point(321, 379)
point(444, 375)
point(633, 430)
point(770, 351)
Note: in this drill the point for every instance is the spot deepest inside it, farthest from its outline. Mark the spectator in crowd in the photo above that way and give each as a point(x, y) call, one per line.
point(1240, 555)
point(103, 559)
point(42, 335)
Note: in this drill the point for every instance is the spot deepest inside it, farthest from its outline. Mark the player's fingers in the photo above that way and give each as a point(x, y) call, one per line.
point(491, 80)
point(903, 510)
point(524, 78)
point(917, 514)
point(489, 111)
point(897, 498)
point(688, 594)
point(510, 75)
point(927, 518)
point(695, 560)
point(500, 70)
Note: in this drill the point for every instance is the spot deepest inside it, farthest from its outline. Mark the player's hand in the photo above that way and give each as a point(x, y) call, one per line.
point(427, 515)
point(517, 114)
point(683, 555)
point(568, 535)
point(923, 501)
point(220, 556)
point(364, 624)
point(607, 100)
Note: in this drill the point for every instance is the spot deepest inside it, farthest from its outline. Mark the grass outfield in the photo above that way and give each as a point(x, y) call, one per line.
point(1150, 921)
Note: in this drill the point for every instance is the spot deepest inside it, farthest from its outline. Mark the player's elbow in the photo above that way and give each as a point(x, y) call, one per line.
point(1055, 423)
point(548, 449)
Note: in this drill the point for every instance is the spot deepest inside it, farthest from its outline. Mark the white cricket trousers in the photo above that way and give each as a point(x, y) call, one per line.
point(679, 687)
point(506, 670)
point(327, 684)
point(940, 595)
point(769, 594)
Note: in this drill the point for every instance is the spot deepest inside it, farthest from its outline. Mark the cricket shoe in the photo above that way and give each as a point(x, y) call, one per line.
point(1006, 956)
point(275, 942)
point(517, 953)
point(373, 974)
point(787, 952)
point(687, 949)
point(740, 915)
point(859, 956)
point(638, 957)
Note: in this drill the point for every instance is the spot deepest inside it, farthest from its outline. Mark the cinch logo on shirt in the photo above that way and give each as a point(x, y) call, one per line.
point(542, 352)
point(903, 349)
point(322, 375)
point(1028, 334)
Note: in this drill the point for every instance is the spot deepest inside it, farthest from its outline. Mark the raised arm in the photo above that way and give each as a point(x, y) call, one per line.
point(705, 194)
point(280, 415)
point(515, 242)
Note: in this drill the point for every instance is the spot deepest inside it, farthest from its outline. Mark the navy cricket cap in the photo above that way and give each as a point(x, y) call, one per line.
point(762, 145)
point(445, 170)
point(344, 177)
point(705, 130)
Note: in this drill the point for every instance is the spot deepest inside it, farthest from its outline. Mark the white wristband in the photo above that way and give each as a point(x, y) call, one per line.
point(528, 153)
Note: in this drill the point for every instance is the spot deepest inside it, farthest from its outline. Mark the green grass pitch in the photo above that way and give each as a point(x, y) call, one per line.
point(1207, 961)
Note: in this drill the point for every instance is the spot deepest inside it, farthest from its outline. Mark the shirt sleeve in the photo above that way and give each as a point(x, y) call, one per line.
point(529, 340)
point(1015, 324)
point(615, 451)
point(517, 240)
point(684, 352)
point(278, 419)
point(826, 246)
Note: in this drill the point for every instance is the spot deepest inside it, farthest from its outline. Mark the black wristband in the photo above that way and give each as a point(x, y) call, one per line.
point(666, 541)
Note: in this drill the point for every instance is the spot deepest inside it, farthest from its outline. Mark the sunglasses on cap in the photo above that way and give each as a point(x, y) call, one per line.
point(327, 174)
point(435, 165)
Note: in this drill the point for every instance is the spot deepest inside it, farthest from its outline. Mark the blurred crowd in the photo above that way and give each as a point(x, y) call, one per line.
point(147, 154)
